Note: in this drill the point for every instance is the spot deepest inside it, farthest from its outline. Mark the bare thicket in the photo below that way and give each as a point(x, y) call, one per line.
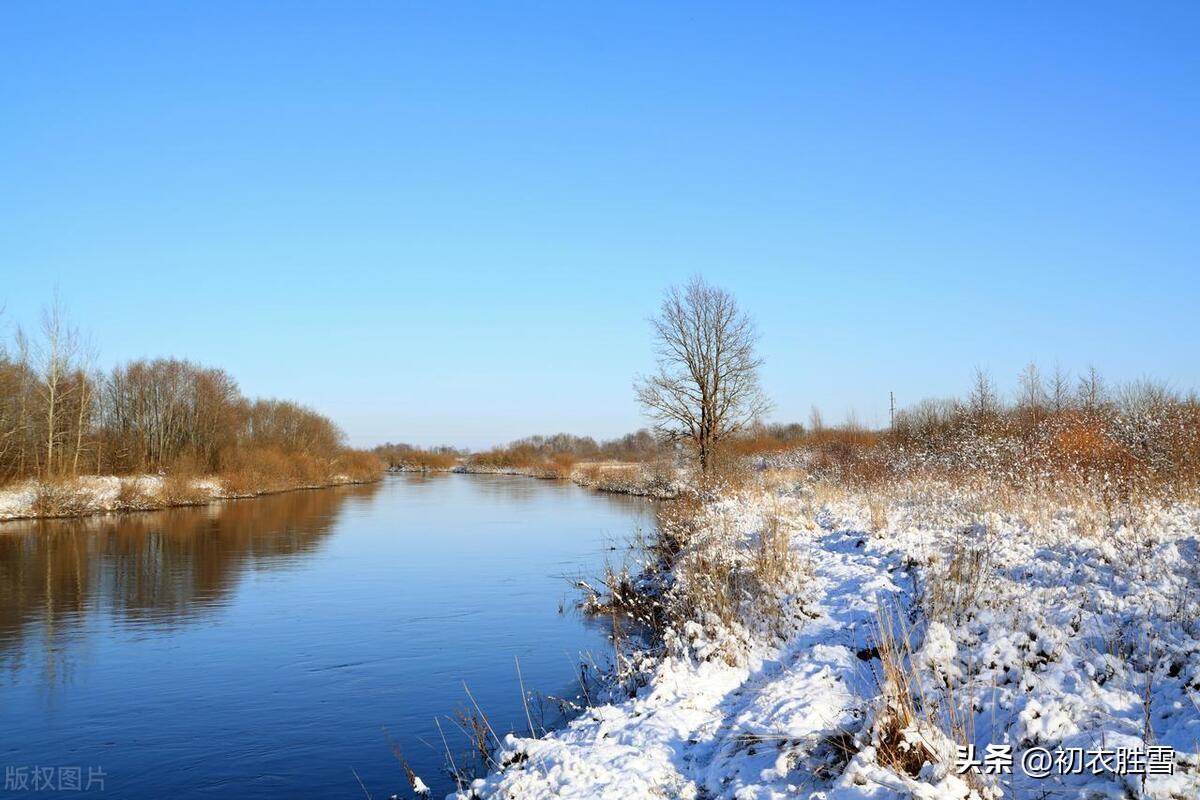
point(60, 417)
point(1137, 440)
point(706, 388)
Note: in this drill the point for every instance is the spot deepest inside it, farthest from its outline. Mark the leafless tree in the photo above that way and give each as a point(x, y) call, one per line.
point(1033, 393)
point(56, 355)
point(984, 401)
point(60, 416)
point(706, 387)
point(1091, 391)
point(14, 375)
point(1060, 390)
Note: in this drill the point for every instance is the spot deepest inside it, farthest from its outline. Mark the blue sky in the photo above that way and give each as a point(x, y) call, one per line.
point(450, 221)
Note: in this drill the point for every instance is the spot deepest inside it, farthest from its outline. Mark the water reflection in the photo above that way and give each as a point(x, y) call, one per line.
point(160, 568)
point(261, 648)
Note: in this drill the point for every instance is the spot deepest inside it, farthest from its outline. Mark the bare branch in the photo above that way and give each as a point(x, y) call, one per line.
point(706, 387)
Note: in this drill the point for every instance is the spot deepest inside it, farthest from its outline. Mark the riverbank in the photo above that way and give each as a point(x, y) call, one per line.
point(617, 477)
point(834, 642)
point(103, 494)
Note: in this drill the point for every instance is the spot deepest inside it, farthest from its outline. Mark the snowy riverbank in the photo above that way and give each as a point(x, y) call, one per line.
point(910, 622)
point(99, 494)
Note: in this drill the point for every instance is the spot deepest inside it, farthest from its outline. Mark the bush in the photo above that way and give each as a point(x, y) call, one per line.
point(358, 465)
point(181, 490)
point(134, 495)
point(59, 499)
point(406, 457)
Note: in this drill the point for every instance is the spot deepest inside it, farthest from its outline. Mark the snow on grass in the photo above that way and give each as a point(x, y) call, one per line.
point(1018, 622)
point(97, 494)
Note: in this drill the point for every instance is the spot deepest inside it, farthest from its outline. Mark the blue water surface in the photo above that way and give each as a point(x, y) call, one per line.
point(277, 647)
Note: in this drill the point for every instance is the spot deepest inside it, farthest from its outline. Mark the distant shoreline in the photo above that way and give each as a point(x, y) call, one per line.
point(615, 477)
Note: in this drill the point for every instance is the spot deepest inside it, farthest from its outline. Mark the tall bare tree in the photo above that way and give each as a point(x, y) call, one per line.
point(1092, 392)
point(984, 400)
point(706, 387)
point(56, 356)
point(1060, 390)
point(1033, 391)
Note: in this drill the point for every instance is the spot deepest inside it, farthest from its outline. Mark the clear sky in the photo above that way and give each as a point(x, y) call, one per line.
point(448, 222)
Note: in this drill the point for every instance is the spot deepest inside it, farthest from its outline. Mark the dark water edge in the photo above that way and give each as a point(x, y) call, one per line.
point(268, 647)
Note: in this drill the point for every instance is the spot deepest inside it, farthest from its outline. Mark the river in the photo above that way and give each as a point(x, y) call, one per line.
point(279, 646)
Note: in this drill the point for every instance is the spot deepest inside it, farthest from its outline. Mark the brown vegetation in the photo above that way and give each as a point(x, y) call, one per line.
point(1118, 445)
point(562, 455)
point(61, 418)
point(406, 457)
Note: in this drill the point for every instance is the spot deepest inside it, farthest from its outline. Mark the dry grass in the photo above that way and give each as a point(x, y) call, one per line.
point(896, 734)
point(909, 730)
point(742, 584)
point(561, 465)
point(773, 563)
point(60, 498)
point(956, 583)
point(134, 495)
point(180, 489)
point(610, 477)
point(728, 474)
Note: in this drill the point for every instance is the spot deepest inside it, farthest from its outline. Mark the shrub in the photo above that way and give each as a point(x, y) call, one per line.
point(181, 490)
point(407, 457)
point(134, 495)
point(358, 465)
point(562, 465)
point(59, 498)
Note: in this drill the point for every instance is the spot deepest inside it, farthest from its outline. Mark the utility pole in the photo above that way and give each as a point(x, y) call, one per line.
point(892, 403)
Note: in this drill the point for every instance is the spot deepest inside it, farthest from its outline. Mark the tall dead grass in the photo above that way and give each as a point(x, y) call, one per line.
point(722, 585)
point(60, 498)
point(913, 729)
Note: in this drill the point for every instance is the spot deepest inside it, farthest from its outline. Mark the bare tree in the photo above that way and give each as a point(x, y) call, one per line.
point(1092, 392)
point(85, 402)
point(706, 387)
point(984, 401)
point(1060, 390)
point(1033, 392)
point(56, 355)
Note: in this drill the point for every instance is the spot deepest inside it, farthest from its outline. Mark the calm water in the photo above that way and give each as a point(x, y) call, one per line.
point(265, 648)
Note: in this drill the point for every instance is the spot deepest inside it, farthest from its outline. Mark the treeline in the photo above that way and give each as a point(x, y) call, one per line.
point(407, 456)
point(638, 446)
point(60, 417)
point(555, 456)
point(552, 455)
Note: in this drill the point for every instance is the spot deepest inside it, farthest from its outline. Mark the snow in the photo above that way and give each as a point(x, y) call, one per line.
point(97, 494)
point(85, 494)
point(16, 501)
point(1029, 624)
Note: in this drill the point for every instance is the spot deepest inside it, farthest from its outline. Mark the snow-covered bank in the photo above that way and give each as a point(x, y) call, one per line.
point(1020, 623)
point(99, 494)
point(641, 480)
